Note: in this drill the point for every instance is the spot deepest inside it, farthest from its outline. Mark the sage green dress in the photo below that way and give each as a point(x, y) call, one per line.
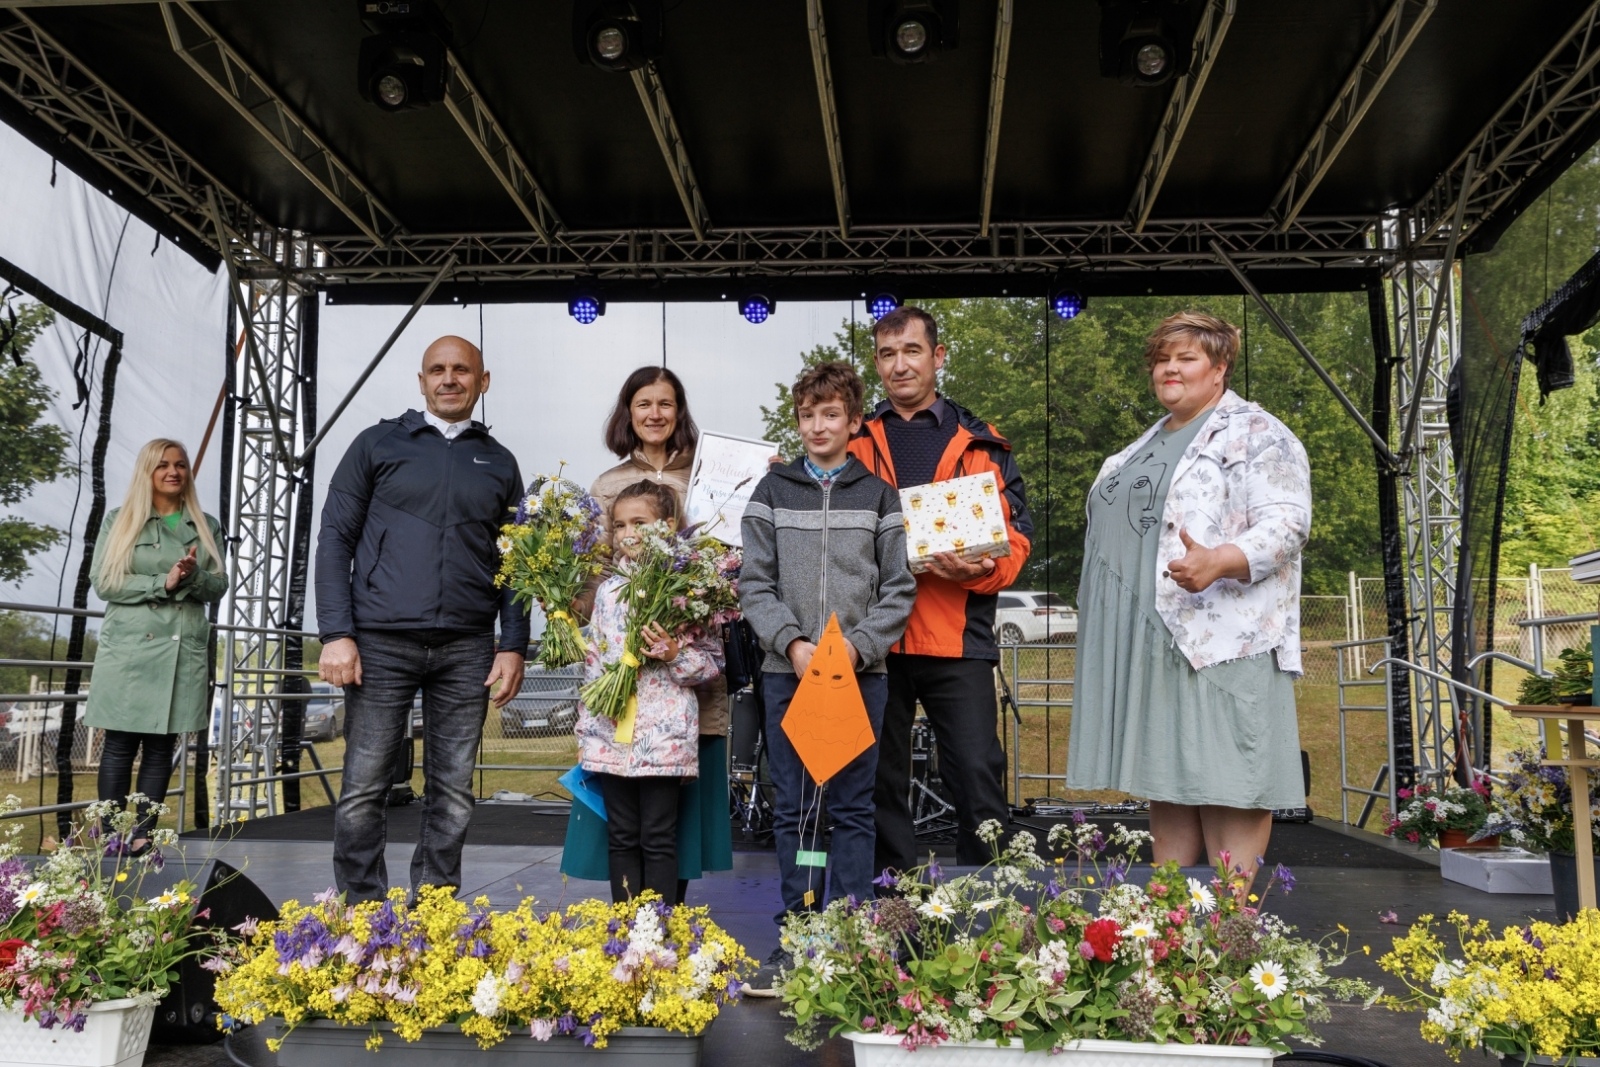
point(1143, 720)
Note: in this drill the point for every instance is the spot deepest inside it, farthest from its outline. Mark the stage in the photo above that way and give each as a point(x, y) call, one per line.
point(1343, 876)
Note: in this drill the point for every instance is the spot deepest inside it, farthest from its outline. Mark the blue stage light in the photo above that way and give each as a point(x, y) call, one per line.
point(882, 304)
point(1068, 303)
point(586, 308)
point(756, 308)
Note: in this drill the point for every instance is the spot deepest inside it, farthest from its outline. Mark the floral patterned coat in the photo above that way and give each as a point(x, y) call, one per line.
point(666, 734)
point(1244, 480)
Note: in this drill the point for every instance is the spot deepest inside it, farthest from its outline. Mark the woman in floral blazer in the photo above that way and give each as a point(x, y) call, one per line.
point(1189, 609)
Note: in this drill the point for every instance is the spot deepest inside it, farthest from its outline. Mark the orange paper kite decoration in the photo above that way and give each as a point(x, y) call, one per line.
point(827, 722)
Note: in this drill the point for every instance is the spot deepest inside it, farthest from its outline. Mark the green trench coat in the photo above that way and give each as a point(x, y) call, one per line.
point(150, 673)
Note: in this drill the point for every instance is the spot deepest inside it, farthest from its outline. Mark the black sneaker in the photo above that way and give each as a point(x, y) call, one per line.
point(768, 981)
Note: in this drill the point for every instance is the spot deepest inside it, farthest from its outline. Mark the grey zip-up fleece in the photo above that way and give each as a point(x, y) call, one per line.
point(810, 552)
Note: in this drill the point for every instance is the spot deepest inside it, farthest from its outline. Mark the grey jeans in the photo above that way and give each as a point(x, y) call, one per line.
point(450, 669)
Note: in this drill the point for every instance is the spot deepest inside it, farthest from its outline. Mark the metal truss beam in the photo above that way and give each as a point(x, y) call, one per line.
point(60, 91)
point(654, 96)
point(1387, 47)
point(478, 122)
point(830, 112)
point(271, 116)
point(997, 99)
point(937, 250)
point(1420, 292)
point(1208, 36)
point(1527, 132)
point(265, 410)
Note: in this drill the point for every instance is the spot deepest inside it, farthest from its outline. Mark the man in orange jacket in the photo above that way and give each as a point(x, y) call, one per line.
point(947, 657)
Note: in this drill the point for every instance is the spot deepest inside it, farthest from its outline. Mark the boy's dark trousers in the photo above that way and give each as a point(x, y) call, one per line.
point(642, 835)
point(848, 802)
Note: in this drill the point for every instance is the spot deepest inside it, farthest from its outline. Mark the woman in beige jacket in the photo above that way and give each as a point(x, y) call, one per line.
point(653, 433)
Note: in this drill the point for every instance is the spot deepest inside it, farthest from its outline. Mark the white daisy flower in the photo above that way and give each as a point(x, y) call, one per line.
point(1267, 976)
point(1139, 930)
point(503, 544)
point(30, 893)
point(1201, 899)
point(936, 908)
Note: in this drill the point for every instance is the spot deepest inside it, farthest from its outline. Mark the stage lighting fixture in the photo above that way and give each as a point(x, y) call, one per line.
point(1145, 42)
point(912, 31)
point(1068, 303)
point(586, 308)
point(402, 65)
point(756, 308)
point(617, 34)
point(882, 304)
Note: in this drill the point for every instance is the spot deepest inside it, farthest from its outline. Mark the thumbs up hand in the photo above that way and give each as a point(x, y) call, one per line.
point(1200, 566)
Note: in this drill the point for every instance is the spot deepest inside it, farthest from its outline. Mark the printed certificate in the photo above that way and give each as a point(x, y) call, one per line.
point(726, 470)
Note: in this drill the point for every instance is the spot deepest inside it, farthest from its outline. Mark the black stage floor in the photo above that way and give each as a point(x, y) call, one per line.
point(1316, 844)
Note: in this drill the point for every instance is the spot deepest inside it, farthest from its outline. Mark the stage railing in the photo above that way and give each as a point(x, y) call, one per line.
point(1349, 657)
point(1017, 662)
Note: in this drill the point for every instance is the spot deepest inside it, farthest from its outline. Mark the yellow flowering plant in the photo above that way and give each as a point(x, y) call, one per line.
point(548, 553)
point(1531, 991)
point(585, 972)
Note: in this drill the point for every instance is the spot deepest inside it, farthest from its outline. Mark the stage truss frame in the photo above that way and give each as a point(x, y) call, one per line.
point(280, 271)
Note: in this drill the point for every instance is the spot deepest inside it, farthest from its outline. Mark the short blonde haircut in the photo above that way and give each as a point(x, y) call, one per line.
point(1217, 339)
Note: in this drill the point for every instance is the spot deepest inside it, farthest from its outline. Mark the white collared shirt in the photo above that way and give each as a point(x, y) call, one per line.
point(451, 430)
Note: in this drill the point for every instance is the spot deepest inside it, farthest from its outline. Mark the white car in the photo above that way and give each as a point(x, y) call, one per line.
point(1021, 617)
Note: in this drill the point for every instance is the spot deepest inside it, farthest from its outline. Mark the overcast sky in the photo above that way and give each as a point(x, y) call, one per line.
point(554, 381)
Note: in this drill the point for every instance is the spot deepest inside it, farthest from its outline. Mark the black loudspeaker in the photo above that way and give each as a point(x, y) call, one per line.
point(188, 1015)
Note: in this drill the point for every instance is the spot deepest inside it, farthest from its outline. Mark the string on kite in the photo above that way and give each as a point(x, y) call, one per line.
point(812, 812)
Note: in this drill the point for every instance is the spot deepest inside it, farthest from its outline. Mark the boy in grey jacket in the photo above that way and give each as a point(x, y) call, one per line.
point(824, 536)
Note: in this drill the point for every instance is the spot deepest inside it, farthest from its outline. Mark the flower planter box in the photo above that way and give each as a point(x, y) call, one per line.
point(116, 1035)
point(878, 1050)
point(324, 1043)
point(1496, 870)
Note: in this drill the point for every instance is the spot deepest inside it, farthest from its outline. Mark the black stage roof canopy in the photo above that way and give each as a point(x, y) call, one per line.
point(765, 148)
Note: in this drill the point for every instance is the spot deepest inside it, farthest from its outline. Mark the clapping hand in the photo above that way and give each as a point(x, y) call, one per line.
point(182, 569)
point(1200, 566)
point(660, 644)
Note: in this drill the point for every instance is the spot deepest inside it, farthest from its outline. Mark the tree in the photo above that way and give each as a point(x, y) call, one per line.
point(1065, 411)
point(31, 450)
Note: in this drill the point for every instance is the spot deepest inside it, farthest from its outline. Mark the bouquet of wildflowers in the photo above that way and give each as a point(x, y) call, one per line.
point(1428, 809)
point(689, 583)
point(584, 973)
point(963, 959)
point(75, 930)
point(549, 553)
point(1536, 802)
point(1530, 991)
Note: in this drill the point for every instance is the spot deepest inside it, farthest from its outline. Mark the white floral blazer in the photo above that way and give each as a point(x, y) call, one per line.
point(1244, 480)
point(666, 733)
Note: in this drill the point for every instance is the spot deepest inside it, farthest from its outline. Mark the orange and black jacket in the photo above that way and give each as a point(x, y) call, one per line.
point(951, 619)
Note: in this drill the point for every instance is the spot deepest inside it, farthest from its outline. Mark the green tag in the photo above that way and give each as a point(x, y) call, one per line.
point(811, 859)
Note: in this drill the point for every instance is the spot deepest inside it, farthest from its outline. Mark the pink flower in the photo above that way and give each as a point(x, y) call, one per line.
point(1086, 950)
point(911, 1001)
point(869, 1022)
point(542, 1029)
point(1056, 924)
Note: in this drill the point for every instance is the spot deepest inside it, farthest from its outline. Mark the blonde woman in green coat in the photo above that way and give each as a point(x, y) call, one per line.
point(156, 565)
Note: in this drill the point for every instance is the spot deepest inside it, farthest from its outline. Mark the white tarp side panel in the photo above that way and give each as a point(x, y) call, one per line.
point(172, 315)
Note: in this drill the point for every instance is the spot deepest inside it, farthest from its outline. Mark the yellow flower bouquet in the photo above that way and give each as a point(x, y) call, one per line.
point(583, 973)
point(1531, 991)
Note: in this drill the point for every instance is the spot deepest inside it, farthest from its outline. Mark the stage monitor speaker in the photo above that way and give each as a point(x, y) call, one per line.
point(188, 1014)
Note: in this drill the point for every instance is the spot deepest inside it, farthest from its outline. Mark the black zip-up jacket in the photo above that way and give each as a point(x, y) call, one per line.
point(409, 534)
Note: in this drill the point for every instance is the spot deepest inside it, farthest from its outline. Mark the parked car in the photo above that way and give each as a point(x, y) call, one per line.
point(547, 706)
point(1025, 616)
point(324, 713)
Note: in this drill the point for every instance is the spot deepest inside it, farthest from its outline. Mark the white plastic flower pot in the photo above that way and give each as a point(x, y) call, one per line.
point(116, 1035)
point(879, 1050)
point(324, 1043)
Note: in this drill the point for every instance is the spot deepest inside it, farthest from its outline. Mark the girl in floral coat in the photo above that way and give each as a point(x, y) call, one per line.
point(639, 780)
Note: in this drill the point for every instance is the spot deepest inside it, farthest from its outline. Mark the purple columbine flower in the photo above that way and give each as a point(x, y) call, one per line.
point(886, 879)
point(567, 1024)
point(615, 947)
point(1550, 973)
point(155, 859)
point(935, 872)
point(1285, 877)
point(1078, 818)
point(1116, 872)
